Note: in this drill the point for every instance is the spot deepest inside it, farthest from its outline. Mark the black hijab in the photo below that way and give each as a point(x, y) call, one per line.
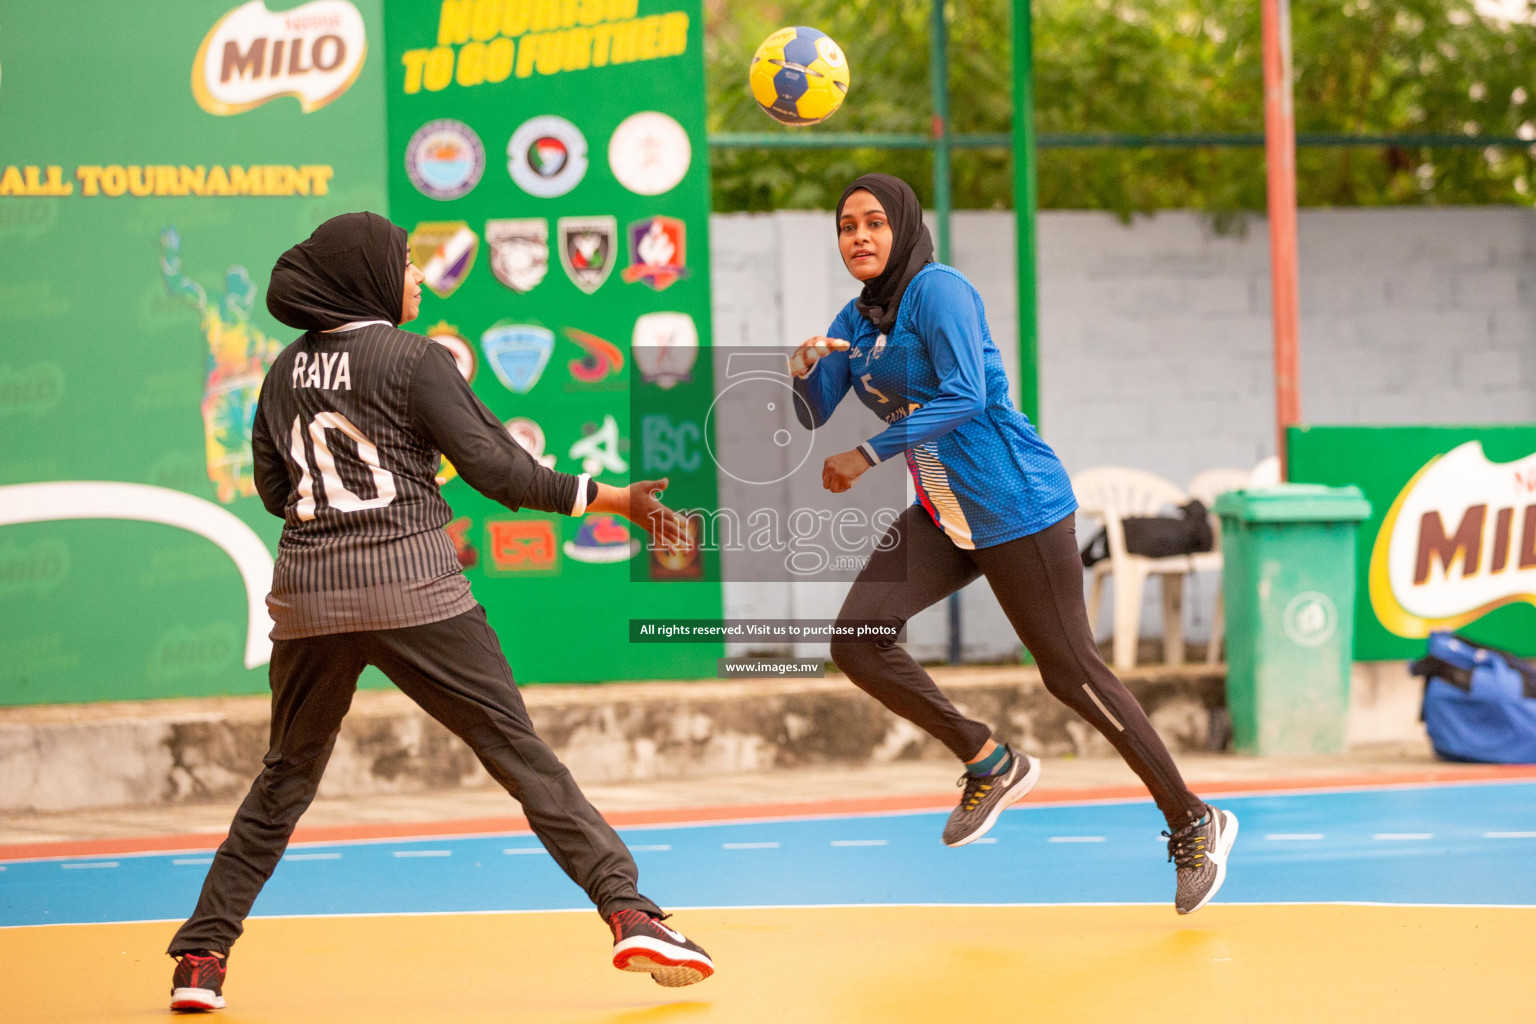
point(911, 246)
point(352, 268)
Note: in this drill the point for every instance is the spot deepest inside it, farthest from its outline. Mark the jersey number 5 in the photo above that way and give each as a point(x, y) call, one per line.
point(872, 389)
point(337, 494)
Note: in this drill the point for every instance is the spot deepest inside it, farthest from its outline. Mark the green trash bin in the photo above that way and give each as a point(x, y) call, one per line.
point(1288, 583)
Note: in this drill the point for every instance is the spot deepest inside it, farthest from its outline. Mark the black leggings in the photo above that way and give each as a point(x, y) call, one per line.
point(455, 670)
point(1038, 580)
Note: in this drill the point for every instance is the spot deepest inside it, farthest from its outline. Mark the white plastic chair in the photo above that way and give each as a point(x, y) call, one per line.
point(1110, 493)
point(1205, 488)
point(1265, 473)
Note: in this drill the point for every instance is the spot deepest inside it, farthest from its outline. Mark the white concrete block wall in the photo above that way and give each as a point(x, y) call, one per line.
point(1155, 344)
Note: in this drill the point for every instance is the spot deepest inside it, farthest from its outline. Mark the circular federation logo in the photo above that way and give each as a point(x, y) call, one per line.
point(547, 156)
point(649, 153)
point(444, 159)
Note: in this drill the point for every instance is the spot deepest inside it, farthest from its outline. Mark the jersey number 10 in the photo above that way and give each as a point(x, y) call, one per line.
point(336, 493)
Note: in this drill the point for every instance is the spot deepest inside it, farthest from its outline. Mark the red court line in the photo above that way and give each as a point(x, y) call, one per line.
point(690, 815)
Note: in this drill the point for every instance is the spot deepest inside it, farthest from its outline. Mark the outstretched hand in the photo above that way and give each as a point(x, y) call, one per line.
point(804, 358)
point(640, 505)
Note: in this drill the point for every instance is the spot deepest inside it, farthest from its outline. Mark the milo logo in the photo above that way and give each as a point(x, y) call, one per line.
point(33, 569)
point(33, 390)
point(313, 53)
point(1459, 541)
point(184, 651)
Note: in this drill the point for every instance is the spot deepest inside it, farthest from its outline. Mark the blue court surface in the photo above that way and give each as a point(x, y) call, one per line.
point(1459, 844)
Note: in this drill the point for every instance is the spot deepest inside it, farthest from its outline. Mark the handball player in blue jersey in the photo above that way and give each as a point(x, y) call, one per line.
point(993, 501)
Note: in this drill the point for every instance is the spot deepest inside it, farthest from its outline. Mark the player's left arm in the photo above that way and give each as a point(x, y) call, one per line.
point(948, 321)
point(446, 412)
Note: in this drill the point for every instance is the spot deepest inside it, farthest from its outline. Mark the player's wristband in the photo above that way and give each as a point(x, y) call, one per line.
point(582, 497)
point(869, 454)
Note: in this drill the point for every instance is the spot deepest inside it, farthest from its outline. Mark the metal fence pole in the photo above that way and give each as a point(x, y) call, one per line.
point(938, 80)
point(1024, 210)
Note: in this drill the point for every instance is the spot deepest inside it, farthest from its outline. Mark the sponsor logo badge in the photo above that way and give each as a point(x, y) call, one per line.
point(547, 156)
point(522, 546)
point(1458, 542)
point(657, 252)
point(517, 353)
point(665, 347)
point(530, 436)
point(519, 251)
point(445, 251)
point(444, 159)
point(586, 249)
point(600, 540)
point(313, 53)
point(680, 564)
point(598, 449)
point(601, 359)
point(649, 153)
point(448, 336)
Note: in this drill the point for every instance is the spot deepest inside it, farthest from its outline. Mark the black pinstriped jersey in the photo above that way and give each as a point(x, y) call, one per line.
point(347, 439)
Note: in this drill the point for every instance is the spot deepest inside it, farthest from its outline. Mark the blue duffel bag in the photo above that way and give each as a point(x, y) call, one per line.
point(1479, 702)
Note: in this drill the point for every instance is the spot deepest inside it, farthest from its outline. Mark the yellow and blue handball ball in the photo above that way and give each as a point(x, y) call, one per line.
point(799, 76)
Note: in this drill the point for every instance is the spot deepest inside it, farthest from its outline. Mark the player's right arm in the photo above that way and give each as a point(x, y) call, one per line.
point(446, 412)
point(819, 367)
point(269, 468)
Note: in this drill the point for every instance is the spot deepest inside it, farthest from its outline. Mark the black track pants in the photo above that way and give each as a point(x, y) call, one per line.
point(455, 670)
point(1039, 582)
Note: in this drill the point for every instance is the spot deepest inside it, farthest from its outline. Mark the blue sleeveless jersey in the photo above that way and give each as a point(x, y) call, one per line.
point(981, 471)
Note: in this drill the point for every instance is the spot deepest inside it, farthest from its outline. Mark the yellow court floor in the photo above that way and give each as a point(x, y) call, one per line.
point(1058, 964)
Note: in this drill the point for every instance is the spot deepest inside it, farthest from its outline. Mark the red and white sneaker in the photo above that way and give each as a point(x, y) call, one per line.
point(198, 984)
point(641, 943)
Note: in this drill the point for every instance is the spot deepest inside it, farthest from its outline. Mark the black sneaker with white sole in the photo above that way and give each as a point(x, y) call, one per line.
point(641, 943)
point(1199, 853)
point(198, 982)
point(986, 796)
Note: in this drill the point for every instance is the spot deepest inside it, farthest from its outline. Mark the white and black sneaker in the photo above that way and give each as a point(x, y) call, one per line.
point(643, 944)
point(1199, 853)
point(986, 796)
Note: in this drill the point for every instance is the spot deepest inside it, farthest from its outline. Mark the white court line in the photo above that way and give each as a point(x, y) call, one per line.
point(1294, 837)
point(192, 860)
point(1509, 835)
point(749, 846)
point(423, 853)
point(311, 856)
point(803, 906)
point(1075, 839)
point(514, 851)
point(860, 842)
point(1394, 836)
point(658, 847)
point(90, 864)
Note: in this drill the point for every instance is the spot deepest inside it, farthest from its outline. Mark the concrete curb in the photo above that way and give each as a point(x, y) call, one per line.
point(147, 753)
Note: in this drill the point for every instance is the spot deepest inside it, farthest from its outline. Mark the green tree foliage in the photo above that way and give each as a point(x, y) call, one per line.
point(1149, 66)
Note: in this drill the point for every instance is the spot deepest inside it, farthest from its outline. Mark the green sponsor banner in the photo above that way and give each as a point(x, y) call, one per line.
point(550, 163)
point(1451, 541)
point(157, 160)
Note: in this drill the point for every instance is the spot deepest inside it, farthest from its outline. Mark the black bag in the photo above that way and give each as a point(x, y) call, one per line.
point(1158, 536)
